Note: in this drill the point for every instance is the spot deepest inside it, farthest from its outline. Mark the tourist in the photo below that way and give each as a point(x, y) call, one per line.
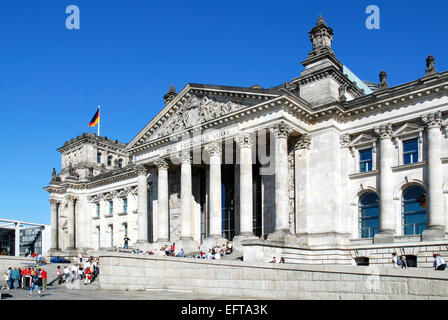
point(282, 260)
point(43, 275)
point(404, 262)
point(88, 276)
point(26, 278)
point(229, 247)
point(81, 271)
point(15, 276)
point(181, 253)
point(59, 275)
point(74, 272)
point(80, 257)
point(34, 282)
point(6, 279)
point(126, 240)
point(273, 260)
point(66, 274)
point(10, 282)
point(394, 260)
point(439, 263)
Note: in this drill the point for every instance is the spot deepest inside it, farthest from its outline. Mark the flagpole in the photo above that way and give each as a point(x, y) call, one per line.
point(99, 121)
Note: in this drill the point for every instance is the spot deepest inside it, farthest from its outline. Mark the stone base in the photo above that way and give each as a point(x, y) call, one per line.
point(310, 240)
point(383, 238)
point(239, 239)
point(433, 234)
point(283, 237)
point(188, 244)
point(142, 245)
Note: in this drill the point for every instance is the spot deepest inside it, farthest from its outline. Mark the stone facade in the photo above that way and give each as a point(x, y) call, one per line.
point(282, 167)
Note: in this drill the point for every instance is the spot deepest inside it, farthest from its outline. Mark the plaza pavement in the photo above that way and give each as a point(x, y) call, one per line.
point(62, 293)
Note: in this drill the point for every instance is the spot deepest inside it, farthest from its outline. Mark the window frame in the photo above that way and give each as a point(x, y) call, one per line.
point(371, 233)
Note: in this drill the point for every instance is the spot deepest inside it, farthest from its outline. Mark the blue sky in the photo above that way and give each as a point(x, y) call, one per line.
point(128, 53)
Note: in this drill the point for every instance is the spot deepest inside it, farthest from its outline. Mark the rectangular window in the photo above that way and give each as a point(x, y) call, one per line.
point(111, 207)
point(365, 160)
point(125, 205)
point(98, 157)
point(97, 209)
point(410, 151)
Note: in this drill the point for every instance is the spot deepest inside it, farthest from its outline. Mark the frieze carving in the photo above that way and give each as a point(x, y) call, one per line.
point(196, 111)
point(244, 140)
point(304, 142)
point(432, 120)
point(384, 131)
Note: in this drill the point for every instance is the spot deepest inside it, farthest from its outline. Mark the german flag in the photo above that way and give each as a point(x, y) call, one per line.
point(95, 119)
point(422, 200)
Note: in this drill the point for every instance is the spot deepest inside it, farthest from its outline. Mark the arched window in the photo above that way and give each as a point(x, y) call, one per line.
point(414, 210)
point(109, 160)
point(369, 215)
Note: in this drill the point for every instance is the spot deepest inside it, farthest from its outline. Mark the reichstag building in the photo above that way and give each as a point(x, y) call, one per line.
point(323, 169)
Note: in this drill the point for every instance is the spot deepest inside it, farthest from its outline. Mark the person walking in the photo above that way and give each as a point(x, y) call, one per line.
point(66, 274)
point(6, 279)
point(34, 282)
point(15, 276)
point(126, 242)
point(44, 275)
point(439, 263)
point(59, 275)
point(9, 277)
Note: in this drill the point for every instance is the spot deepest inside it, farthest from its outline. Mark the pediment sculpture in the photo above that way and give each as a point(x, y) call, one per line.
point(196, 111)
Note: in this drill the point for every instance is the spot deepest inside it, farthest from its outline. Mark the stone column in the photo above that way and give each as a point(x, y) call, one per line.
point(54, 225)
point(436, 216)
point(244, 143)
point(142, 208)
point(214, 151)
point(302, 159)
point(71, 222)
point(281, 132)
point(185, 196)
point(17, 240)
point(387, 217)
point(162, 199)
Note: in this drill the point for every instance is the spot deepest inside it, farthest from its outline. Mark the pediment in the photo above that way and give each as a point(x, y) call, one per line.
point(363, 139)
point(408, 129)
point(192, 108)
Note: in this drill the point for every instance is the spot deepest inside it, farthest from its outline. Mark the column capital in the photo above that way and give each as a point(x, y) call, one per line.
point(432, 120)
point(161, 164)
point(281, 130)
point(71, 198)
point(185, 156)
point(142, 170)
point(244, 140)
point(53, 201)
point(384, 131)
point(345, 140)
point(303, 142)
point(213, 149)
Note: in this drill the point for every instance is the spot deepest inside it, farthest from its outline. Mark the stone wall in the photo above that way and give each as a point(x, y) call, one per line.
point(269, 281)
point(10, 261)
point(378, 254)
